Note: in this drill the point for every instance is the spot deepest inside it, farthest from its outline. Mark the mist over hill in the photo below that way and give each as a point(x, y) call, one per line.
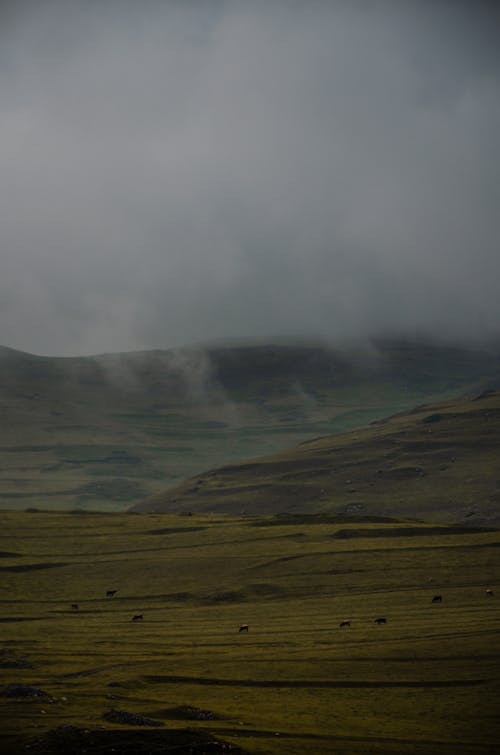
point(108, 431)
point(182, 171)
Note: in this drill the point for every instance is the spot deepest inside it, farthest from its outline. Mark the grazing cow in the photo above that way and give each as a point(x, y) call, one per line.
point(74, 606)
point(345, 623)
point(489, 591)
point(381, 620)
point(437, 599)
point(111, 593)
point(137, 617)
point(243, 628)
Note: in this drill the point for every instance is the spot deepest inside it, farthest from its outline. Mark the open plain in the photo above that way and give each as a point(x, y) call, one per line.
point(82, 671)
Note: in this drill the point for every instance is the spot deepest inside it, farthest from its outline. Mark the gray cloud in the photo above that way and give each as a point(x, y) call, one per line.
point(175, 172)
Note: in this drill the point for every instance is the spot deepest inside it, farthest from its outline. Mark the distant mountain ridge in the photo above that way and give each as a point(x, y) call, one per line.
point(108, 431)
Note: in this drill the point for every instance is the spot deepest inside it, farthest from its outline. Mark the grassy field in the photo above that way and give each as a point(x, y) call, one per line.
point(426, 681)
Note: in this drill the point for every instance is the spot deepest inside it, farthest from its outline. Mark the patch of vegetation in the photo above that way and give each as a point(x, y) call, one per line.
point(406, 531)
point(31, 567)
point(175, 530)
point(121, 489)
point(294, 519)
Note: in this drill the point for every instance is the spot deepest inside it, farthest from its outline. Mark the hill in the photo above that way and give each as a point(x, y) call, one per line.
point(79, 675)
point(437, 462)
point(106, 432)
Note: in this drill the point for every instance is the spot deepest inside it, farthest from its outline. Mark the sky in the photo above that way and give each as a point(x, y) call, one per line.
point(179, 172)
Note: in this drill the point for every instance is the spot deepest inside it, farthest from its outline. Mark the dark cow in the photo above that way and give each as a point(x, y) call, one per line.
point(489, 591)
point(381, 620)
point(74, 606)
point(138, 617)
point(111, 593)
point(345, 623)
point(243, 628)
point(437, 599)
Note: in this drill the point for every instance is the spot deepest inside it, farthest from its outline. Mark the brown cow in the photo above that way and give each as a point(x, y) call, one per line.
point(489, 591)
point(138, 617)
point(345, 623)
point(243, 628)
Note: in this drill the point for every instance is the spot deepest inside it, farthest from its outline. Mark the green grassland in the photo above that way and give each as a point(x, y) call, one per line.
point(107, 432)
point(427, 681)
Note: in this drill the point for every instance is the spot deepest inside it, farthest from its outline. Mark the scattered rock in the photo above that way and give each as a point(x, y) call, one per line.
point(24, 691)
point(132, 719)
point(190, 713)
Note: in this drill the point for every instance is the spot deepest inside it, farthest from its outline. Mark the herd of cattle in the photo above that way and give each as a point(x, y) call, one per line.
point(383, 620)
point(378, 620)
point(244, 627)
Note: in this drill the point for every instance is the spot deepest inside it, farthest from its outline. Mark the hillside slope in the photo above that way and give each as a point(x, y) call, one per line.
point(437, 462)
point(105, 432)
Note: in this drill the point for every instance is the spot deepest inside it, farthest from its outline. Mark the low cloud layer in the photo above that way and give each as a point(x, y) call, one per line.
point(178, 172)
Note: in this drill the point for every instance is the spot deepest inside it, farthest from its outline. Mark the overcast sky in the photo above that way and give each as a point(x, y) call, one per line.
point(175, 172)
